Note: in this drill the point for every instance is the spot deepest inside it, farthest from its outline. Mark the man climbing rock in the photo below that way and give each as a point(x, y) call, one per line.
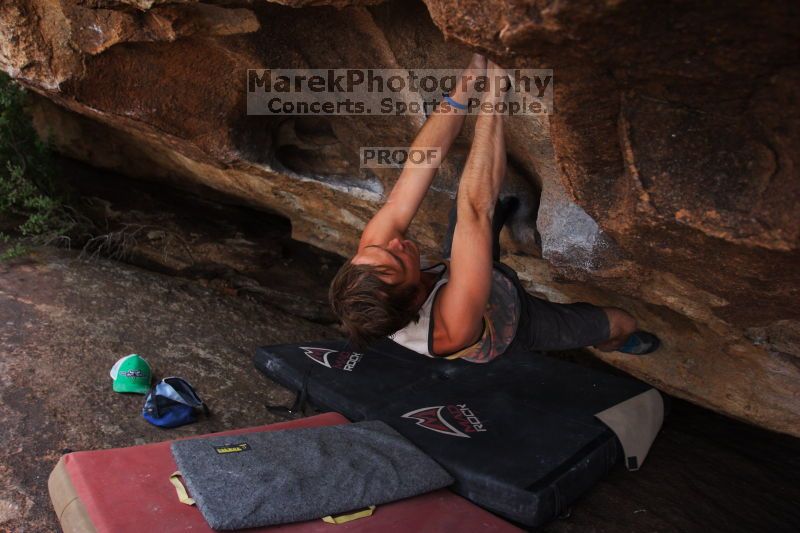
point(471, 307)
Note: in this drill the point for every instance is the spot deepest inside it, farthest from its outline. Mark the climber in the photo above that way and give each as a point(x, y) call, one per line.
point(471, 307)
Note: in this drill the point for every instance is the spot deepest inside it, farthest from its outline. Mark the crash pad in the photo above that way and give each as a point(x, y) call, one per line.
point(519, 434)
point(128, 490)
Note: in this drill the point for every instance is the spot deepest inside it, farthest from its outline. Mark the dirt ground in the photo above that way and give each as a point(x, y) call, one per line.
point(63, 323)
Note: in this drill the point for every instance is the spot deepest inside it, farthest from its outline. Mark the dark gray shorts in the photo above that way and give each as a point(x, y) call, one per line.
point(543, 325)
point(547, 326)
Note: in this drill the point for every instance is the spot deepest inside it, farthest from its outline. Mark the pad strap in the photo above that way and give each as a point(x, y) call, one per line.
point(349, 517)
point(183, 495)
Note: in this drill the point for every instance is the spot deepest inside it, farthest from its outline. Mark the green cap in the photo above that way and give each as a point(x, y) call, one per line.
point(131, 374)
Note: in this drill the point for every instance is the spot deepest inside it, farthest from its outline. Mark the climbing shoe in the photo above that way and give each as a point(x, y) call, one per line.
point(640, 343)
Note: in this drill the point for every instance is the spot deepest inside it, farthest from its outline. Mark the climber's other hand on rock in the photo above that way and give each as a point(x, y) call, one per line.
point(477, 63)
point(499, 85)
point(476, 69)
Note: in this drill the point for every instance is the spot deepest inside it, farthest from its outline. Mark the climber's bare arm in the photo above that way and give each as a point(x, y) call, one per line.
point(439, 131)
point(459, 307)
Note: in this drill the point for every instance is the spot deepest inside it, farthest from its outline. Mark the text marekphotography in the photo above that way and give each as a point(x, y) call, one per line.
point(395, 92)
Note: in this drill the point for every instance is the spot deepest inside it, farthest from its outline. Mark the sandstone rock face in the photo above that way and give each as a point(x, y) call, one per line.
point(665, 181)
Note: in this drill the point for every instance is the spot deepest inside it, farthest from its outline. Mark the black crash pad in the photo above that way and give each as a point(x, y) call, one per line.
point(518, 434)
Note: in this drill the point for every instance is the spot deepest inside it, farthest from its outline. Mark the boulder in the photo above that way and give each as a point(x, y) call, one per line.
point(665, 181)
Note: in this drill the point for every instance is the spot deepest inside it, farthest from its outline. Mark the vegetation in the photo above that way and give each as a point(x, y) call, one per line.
point(31, 209)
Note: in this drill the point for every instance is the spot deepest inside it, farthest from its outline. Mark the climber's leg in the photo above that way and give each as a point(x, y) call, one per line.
point(503, 209)
point(624, 335)
point(620, 325)
point(549, 326)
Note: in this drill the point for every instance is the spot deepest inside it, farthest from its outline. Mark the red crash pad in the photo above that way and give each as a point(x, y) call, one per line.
point(127, 490)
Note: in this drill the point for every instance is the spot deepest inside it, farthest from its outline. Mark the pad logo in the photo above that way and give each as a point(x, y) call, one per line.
point(333, 358)
point(233, 448)
point(454, 420)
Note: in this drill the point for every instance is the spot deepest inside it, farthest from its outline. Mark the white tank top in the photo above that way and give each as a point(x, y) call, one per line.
point(415, 335)
point(500, 322)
